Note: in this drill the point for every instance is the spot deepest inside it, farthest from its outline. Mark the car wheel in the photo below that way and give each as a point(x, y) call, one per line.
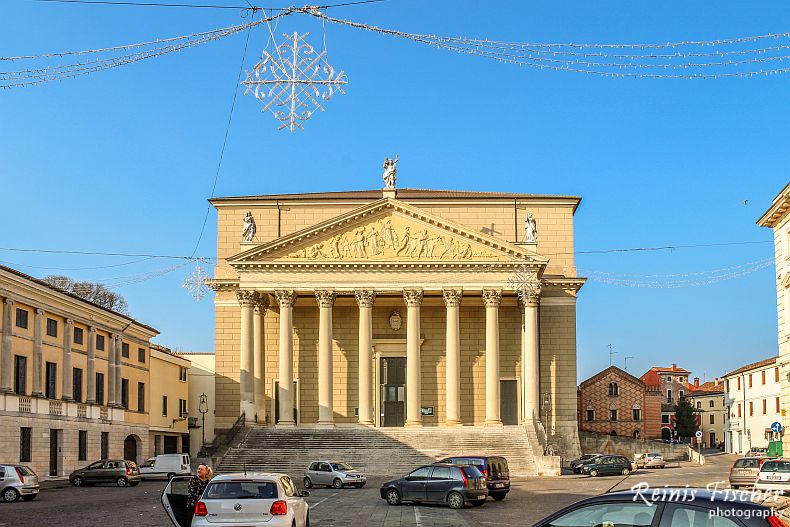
point(337, 484)
point(29, 497)
point(78, 481)
point(121, 482)
point(307, 482)
point(10, 495)
point(455, 500)
point(593, 473)
point(393, 497)
point(626, 472)
point(498, 496)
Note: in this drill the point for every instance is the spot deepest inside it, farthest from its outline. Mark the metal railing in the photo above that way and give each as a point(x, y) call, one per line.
point(210, 450)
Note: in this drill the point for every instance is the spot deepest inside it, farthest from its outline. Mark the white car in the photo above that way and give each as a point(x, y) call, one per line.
point(251, 500)
point(165, 466)
point(774, 475)
point(649, 460)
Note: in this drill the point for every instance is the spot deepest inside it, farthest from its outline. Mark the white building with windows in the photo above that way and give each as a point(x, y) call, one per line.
point(751, 397)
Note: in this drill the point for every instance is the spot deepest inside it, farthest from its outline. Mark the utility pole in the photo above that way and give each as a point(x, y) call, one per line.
point(610, 354)
point(625, 362)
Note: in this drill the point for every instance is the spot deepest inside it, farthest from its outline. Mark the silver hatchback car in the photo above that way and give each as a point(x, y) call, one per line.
point(18, 481)
point(334, 474)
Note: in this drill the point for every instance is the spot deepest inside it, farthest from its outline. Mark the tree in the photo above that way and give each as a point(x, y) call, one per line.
point(90, 291)
point(685, 423)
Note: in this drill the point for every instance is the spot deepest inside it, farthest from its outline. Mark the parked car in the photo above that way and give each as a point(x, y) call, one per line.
point(239, 499)
point(576, 464)
point(493, 468)
point(743, 472)
point(118, 471)
point(774, 474)
point(757, 451)
point(628, 508)
point(333, 474)
point(18, 481)
point(165, 466)
point(607, 466)
point(649, 460)
point(453, 485)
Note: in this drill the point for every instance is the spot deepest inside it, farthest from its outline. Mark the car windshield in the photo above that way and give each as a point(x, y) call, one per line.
point(341, 466)
point(241, 490)
point(654, 454)
point(747, 463)
point(776, 466)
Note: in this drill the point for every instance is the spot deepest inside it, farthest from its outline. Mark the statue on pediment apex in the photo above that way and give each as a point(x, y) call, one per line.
point(390, 170)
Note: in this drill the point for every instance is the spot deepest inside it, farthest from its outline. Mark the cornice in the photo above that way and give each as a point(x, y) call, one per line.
point(778, 209)
point(382, 265)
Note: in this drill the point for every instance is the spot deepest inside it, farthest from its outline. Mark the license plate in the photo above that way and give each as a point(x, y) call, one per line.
point(499, 485)
point(773, 478)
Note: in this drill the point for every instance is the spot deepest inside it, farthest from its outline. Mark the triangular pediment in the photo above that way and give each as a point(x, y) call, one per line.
point(386, 230)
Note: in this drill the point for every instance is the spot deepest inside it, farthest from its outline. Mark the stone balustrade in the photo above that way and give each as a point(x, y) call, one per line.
point(10, 402)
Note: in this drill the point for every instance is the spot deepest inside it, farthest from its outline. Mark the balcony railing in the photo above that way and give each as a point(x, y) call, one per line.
point(104, 413)
point(55, 408)
point(82, 410)
point(25, 405)
point(12, 402)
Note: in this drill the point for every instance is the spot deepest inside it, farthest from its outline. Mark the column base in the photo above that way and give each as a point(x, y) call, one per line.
point(325, 425)
point(67, 399)
point(452, 422)
point(412, 424)
point(37, 394)
point(285, 424)
point(6, 390)
point(90, 401)
point(366, 422)
point(492, 422)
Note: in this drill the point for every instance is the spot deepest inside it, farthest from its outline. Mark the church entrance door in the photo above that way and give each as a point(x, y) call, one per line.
point(392, 388)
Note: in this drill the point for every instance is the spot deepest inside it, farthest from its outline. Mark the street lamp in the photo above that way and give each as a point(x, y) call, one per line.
point(546, 409)
point(203, 409)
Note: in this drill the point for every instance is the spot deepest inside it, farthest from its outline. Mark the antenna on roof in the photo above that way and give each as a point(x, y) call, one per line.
point(625, 362)
point(610, 354)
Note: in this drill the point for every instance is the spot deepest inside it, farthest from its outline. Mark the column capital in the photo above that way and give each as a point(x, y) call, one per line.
point(325, 297)
point(365, 297)
point(529, 297)
point(492, 297)
point(260, 303)
point(69, 322)
point(246, 297)
point(285, 297)
point(39, 311)
point(9, 301)
point(92, 329)
point(412, 297)
point(452, 297)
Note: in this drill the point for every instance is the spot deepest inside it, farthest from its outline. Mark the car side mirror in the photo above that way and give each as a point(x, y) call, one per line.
point(304, 494)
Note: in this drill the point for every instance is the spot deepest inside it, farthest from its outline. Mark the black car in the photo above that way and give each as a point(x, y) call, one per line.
point(607, 466)
point(668, 507)
point(438, 483)
point(576, 464)
point(494, 468)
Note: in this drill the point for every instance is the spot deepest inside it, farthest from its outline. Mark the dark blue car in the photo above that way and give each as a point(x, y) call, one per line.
point(453, 485)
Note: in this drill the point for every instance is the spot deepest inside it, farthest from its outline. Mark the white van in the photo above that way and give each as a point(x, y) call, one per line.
point(165, 466)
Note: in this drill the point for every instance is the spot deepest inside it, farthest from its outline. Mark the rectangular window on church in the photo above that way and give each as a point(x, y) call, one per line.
point(613, 415)
point(590, 415)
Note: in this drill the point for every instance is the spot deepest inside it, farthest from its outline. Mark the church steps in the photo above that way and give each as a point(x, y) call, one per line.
point(377, 451)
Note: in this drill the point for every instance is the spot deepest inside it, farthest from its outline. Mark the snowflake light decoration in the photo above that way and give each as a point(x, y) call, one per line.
point(197, 283)
point(525, 283)
point(289, 83)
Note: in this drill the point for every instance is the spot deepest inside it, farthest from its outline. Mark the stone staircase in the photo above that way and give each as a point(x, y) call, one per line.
point(378, 451)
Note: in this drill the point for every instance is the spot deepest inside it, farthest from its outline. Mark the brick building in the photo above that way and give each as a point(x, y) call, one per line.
point(670, 385)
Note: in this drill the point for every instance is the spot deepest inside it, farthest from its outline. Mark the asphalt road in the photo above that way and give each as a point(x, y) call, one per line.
point(529, 500)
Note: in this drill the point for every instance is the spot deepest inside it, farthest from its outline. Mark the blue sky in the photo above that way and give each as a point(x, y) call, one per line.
point(123, 160)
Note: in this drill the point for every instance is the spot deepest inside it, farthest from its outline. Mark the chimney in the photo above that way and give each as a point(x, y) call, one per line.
point(674, 366)
point(696, 382)
point(716, 381)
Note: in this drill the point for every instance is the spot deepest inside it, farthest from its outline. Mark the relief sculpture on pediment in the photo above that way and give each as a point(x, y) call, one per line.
point(383, 239)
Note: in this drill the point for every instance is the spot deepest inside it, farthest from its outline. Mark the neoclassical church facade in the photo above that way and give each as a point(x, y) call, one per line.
point(397, 307)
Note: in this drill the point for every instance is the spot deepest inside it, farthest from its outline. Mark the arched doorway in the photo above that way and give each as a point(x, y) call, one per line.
point(130, 447)
point(666, 434)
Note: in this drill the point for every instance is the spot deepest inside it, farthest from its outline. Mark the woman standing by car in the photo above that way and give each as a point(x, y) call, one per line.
point(196, 487)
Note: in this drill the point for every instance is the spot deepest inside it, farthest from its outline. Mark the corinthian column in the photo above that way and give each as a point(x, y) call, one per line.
point(452, 301)
point(246, 355)
point(492, 299)
point(413, 298)
point(286, 300)
point(326, 299)
point(365, 301)
point(37, 353)
point(529, 300)
point(68, 376)
point(5, 350)
point(259, 343)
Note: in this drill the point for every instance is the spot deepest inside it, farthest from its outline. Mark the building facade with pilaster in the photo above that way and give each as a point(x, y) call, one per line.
point(74, 379)
point(397, 307)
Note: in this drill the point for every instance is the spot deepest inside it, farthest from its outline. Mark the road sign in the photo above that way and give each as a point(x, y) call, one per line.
point(698, 434)
point(776, 427)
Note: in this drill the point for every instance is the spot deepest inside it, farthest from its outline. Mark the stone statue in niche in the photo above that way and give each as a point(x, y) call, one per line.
point(389, 172)
point(530, 229)
point(248, 229)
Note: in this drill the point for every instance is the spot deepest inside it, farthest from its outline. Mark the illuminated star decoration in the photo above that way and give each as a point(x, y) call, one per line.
point(289, 83)
point(197, 283)
point(525, 283)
